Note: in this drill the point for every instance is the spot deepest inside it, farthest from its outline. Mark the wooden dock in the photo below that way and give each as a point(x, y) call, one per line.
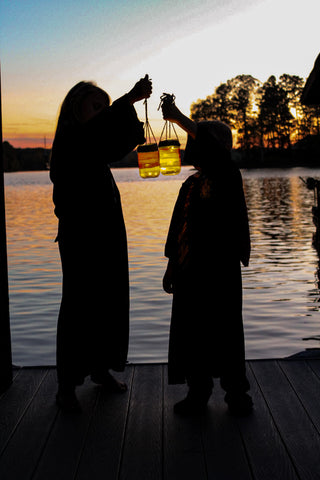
point(136, 436)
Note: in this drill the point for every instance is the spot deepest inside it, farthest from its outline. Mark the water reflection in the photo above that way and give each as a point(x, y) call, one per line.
point(281, 294)
point(147, 208)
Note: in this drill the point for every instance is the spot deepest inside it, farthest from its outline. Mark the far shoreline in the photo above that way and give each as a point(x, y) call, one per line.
point(303, 154)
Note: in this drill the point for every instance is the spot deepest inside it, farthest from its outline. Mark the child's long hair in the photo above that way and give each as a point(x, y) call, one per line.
point(69, 117)
point(70, 109)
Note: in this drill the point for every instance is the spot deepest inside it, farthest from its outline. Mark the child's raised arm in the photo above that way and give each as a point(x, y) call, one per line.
point(141, 90)
point(172, 113)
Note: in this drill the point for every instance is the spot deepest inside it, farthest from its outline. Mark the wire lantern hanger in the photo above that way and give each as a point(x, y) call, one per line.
point(169, 147)
point(148, 153)
point(148, 132)
point(167, 98)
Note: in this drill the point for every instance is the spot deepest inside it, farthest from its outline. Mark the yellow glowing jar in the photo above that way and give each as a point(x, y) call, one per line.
point(170, 158)
point(148, 160)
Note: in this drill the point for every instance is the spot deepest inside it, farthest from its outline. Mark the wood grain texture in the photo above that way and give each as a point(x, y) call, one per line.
point(136, 435)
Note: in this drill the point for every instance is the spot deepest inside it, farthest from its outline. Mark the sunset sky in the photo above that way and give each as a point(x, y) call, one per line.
point(186, 46)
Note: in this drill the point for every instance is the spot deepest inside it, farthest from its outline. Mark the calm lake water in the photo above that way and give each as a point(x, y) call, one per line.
point(281, 293)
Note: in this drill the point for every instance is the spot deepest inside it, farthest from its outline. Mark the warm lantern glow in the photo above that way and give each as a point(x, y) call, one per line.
point(169, 148)
point(148, 160)
point(170, 158)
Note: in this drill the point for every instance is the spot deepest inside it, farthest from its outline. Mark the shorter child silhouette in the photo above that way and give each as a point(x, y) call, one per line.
point(207, 239)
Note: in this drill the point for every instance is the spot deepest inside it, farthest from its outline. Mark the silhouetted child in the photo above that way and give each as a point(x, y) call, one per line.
point(93, 324)
point(207, 239)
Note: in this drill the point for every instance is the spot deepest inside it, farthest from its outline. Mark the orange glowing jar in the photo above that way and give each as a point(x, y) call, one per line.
point(148, 160)
point(169, 145)
point(170, 157)
point(148, 153)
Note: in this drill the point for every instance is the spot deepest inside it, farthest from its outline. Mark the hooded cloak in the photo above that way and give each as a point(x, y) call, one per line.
point(93, 324)
point(207, 239)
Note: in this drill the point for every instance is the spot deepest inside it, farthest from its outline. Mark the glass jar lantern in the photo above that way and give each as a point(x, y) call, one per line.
point(148, 160)
point(170, 157)
point(148, 153)
point(169, 145)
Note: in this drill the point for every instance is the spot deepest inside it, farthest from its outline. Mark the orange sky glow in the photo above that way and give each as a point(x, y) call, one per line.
point(45, 51)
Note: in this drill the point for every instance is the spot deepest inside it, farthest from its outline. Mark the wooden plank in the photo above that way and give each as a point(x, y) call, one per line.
point(142, 453)
point(265, 449)
point(29, 438)
point(297, 432)
point(62, 452)
point(137, 435)
point(183, 451)
point(306, 385)
point(15, 373)
point(315, 365)
point(223, 446)
point(104, 442)
point(16, 401)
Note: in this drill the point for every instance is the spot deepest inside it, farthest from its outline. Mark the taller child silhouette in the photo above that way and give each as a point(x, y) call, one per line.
point(93, 324)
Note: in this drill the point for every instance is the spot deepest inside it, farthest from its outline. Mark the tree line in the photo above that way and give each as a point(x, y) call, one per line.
point(266, 115)
point(24, 159)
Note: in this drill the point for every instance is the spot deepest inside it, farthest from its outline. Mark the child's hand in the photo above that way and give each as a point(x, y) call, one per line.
point(170, 112)
point(141, 90)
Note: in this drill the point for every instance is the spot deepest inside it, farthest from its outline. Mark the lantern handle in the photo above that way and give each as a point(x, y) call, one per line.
point(167, 129)
point(166, 98)
point(146, 110)
point(147, 127)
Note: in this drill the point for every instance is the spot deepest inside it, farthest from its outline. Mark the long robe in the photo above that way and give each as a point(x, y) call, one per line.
point(93, 323)
point(207, 238)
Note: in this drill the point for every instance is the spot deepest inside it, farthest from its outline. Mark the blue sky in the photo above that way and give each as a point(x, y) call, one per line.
point(188, 47)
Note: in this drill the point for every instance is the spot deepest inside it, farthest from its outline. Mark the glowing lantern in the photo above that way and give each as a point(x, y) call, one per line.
point(169, 148)
point(170, 158)
point(148, 153)
point(148, 160)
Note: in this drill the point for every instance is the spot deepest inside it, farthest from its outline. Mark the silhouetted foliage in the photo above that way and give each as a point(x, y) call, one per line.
point(263, 116)
point(24, 159)
point(274, 114)
point(268, 115)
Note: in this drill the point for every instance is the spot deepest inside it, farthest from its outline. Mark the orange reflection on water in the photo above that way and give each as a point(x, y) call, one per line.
point(280, 294)
point(277, 211)
point(29, 217)
point(147, 208)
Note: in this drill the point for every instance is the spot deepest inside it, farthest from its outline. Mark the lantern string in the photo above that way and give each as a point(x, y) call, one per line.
point(147, 127)
point(167, 98)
